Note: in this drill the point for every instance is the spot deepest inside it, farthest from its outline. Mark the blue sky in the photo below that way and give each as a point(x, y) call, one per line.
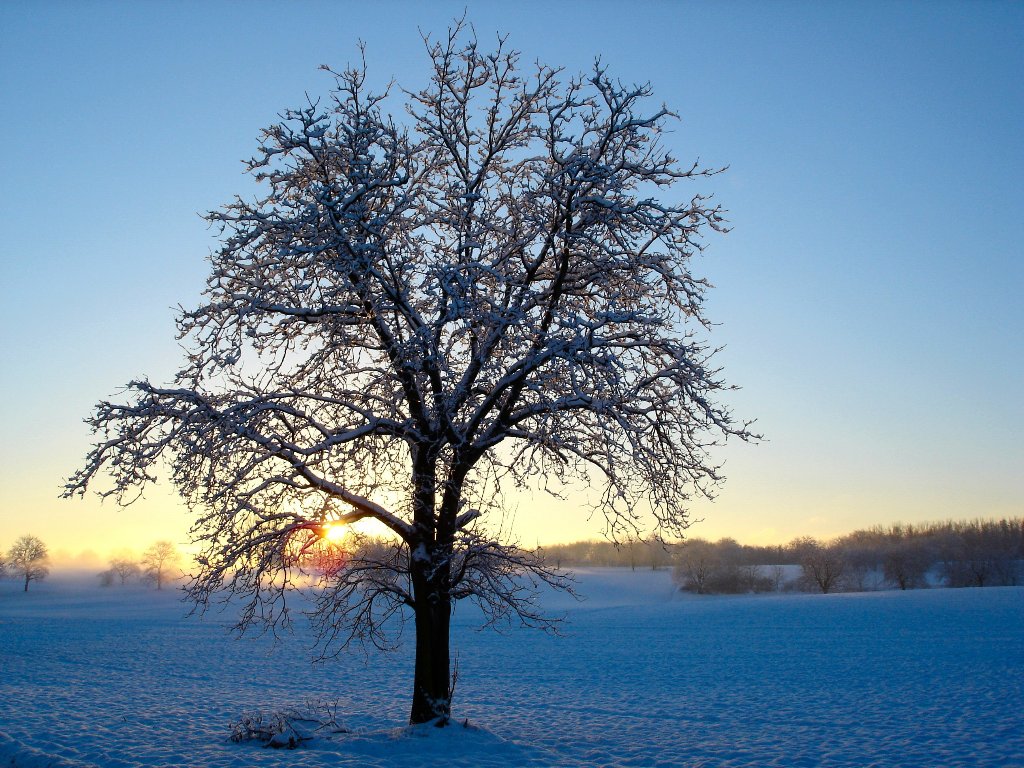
point(868, 297)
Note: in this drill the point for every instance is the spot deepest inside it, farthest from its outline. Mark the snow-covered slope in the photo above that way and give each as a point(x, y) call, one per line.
point(643, 676)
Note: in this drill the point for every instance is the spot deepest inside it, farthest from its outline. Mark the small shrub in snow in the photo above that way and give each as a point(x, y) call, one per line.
point(288, 729)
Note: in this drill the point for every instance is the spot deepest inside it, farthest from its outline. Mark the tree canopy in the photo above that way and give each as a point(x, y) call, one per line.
point(28, 558)
point(418, 312)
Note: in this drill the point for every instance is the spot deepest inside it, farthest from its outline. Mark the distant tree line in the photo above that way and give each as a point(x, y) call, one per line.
point(650, 553)
point(28, 560)
point(976, 553)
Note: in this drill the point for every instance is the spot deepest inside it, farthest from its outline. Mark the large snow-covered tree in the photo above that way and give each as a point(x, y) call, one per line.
point(493, 289)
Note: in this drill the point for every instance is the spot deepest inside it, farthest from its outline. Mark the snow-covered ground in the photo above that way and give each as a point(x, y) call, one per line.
point(644, 676)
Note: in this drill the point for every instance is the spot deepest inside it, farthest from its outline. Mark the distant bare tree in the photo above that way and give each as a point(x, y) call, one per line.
point(125, 569)
point(28, 559)
point(980, 553)
point(407, 320)
point(752, 579)
point(722, 567)
point(862, 560)
point(158, 562)
point(823, 565)
point(905, 563)
point(1006, 540)
point(696, 567)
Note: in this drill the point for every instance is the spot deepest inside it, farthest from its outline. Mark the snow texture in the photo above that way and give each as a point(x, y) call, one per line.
point(645, 676)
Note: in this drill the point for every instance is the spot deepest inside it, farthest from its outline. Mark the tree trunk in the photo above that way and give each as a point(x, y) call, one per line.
point(430, 569)
point(431, 697)
point(27, 579)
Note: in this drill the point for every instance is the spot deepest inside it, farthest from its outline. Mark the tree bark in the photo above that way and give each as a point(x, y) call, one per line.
point(430, 569)
point(431, 698)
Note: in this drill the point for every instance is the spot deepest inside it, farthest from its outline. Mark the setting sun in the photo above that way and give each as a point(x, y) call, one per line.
point(335, 533)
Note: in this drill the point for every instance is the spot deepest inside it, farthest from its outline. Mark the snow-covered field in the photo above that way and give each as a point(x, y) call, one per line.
point(644, 676)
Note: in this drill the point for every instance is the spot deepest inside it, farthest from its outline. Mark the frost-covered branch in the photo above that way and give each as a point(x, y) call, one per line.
point(504, 581)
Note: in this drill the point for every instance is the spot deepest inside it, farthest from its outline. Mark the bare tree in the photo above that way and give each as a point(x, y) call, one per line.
point(28, 559)
point(776, 578)
point(905, 563)
point(158, 562)
point(725, 566)
point(700, 563)
point(823, 565)
point(863, 560)
point(409, 320)
point(125, 569)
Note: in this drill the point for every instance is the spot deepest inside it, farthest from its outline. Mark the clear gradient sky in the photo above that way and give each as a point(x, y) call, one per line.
point(869, 297)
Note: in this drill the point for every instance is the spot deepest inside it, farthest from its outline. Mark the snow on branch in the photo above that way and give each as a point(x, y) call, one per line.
point(504, 581)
